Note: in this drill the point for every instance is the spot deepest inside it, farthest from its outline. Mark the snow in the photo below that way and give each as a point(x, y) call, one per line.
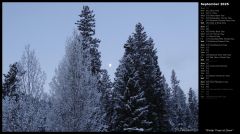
point(134, 129)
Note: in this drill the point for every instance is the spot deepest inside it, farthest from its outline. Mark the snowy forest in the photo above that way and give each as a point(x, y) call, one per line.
point(84, 99)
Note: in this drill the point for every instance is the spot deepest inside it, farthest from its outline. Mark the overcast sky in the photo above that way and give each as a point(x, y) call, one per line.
point(46, 26)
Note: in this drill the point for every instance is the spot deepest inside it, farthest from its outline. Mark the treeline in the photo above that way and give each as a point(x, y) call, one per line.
point(84, 99)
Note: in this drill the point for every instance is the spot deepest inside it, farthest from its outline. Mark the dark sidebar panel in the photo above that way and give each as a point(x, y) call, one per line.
point(218, 22)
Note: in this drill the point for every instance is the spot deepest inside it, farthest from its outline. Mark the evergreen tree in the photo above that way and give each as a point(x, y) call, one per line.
point(10, 98)
point(106, 100)
point(11, 81)
point(188, 118)
point(168, 105)
point(193, 110)
point(86, 26)
point(91, 55)
point(138, 87)
point(179, 105)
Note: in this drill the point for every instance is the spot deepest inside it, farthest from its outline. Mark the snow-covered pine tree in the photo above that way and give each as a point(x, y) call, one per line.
point(157, 95)
point(11, 82)
point(193, 110)
point(86, 26)
point(168, 105)
point(122, 86)
point(120, 82)
point(178, 97)
point(10, 99)
point(106, 100)
point(138, 88)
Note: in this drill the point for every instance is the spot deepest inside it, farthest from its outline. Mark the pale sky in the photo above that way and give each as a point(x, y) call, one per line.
point(46, 27)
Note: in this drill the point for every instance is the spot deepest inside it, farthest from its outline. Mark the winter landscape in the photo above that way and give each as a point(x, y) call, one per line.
point(81, 96)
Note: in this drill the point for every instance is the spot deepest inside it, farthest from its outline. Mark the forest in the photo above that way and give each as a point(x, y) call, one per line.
point(84, 99)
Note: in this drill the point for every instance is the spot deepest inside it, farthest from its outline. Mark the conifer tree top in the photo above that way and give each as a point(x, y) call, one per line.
point(139, 27)
point(86, 24)
point(174, 78)
point(140, 34)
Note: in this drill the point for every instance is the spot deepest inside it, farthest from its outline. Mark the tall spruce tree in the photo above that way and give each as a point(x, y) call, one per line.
point(91, 55)
point(179, 105)
point(138, 87)
point(168, 105)
point(106, 100)
point(193, 110)
point(10, 98)
point(11, 81)
point(86, 26)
